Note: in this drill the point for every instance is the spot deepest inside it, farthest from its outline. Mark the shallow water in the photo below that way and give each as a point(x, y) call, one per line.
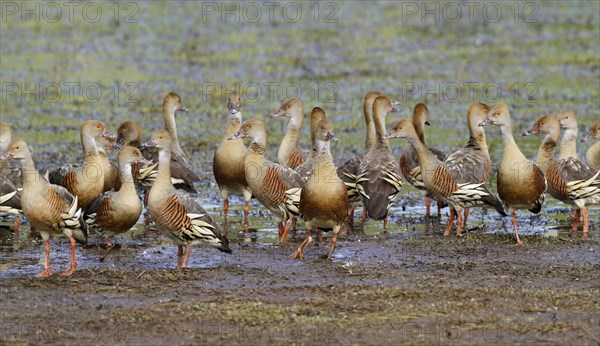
point(144, 247)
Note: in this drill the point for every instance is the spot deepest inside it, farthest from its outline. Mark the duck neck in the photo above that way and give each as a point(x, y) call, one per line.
point(424, 156)
point(546, 151)
point(291, 140)
point(171, 127)
point(163, 178)
point(89, 145)
point(511, 149)
point(324, 163)
point(477, 137)
point(568, 145)
point(379, 121)
point(323, 150)
point(233, 124)
point(31, 176)
point(371, 132)
point(419, 129)
point(258, 145)
point(127, 184)
point(292, 136)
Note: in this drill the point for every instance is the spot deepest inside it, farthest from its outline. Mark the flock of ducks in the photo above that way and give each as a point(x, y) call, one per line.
point(101, 196)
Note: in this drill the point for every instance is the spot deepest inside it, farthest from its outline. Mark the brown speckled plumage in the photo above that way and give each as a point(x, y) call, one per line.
point(323, 200)
point(378, 180)
point(521, 182)
point(446, 183)
point(51, 209)
point(275, 186)
point(85, 181)
point(176, 213)
point(290, 153)
point(115, 212)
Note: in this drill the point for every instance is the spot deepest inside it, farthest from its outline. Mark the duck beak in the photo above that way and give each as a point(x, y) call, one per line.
point(331, 137)
point(587, 137)
point(427, 123)
point(109, 136)
point(142, 161)
point(150, 144)
point(389, 135)
point(183, 109)
point(395, 107)
point(6, 156)
point(533, 131)
point(238, 134)
point(277, 114)
point(486, 122)
point(233, 109)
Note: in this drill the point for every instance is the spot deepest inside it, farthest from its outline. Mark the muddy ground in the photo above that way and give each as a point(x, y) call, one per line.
point(411, 287)
point(401, 288)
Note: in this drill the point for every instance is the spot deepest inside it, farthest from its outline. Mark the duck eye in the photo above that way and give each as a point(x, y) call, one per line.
point(17, 148)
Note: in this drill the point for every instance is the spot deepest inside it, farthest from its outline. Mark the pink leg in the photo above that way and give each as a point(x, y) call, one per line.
point(459, 224)
point(514, 221)
point(350, 220)
point(246, 208)
point(363, 220)
point(286, 230)
point(427, 206)
point(466, 217)
point(333, 241)
point(188, 250)
point(225, 209)
point(450, 221)
point(385, 223)
point(73, 263)
point(299, 253)
point(16, 226)
point(280, 229)
point(179, 255)
point(47, 271)
point(108, 244)
point(584, 212)
point(294, 222)
point(576, 215)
